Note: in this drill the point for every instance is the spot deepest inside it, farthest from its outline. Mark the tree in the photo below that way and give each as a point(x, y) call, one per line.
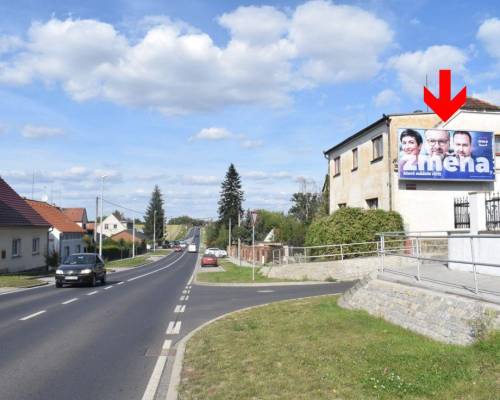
point(119, 215)
point(231, 198)
point(305, 206)
point(155, 204)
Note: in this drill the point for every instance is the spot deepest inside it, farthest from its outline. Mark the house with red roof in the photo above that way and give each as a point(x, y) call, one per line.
point(65, 237)
point(77, 215)
point(24, 234)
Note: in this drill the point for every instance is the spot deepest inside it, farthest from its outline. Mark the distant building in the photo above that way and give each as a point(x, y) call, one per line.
point(65, 237)
point(78, 216)
point(128, 236)
point(364, 170)
point(23, 233)
point(112, 225)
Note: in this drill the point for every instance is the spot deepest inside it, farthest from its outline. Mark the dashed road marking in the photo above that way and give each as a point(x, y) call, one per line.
point(166, 345)
point(70, 301)
point(154, 381)
point(173, 328)
point(186, 298)
point(179, 309)
point(31, 315)
point(182, 298)
point(108, 287)
point(121, 283)
point(265, 291)
point(94, 292)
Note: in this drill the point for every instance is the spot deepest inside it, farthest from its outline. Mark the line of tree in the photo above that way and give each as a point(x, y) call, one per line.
point(155, 216)
point(186, 220)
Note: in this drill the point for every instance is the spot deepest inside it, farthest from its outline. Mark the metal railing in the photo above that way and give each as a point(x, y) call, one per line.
point(492, 206)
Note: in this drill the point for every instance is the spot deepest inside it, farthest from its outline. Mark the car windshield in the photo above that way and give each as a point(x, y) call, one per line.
point(80, 259)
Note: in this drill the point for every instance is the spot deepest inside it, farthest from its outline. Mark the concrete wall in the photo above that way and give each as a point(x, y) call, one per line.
point(485, 250)
point(27, 259)
point(443, 317)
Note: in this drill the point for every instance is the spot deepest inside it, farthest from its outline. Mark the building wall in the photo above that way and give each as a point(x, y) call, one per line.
point(27, 259)
point(111, 221)
point(58, 241)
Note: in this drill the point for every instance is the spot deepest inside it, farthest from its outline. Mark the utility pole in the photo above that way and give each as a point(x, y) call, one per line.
point(239, 239)
point(100, 225)
point(229, 244)
point(254, 219)
point(96, 217)
point(133, 237)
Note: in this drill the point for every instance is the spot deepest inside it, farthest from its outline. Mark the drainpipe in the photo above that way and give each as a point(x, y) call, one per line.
point(389, 161)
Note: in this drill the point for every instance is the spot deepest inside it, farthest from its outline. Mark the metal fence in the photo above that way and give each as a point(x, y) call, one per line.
point(492, 205)
point(461, 211)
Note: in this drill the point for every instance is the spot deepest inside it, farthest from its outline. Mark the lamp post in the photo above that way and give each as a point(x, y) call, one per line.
point(254, 219)
point(133, 237)
point(154, 231)
point(100, 225)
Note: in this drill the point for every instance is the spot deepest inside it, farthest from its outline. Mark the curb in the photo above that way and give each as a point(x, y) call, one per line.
point(262, 284)
point(180, 348)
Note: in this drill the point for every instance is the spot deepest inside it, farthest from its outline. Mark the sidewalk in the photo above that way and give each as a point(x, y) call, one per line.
point(437, 276)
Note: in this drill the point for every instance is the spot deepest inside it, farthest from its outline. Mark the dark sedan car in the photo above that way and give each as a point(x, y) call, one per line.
point(87, 268)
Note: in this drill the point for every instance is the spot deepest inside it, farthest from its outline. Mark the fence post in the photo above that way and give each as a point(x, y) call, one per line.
point(476, 289)
point(382, 251)
point(341, 253)
point(418, 258)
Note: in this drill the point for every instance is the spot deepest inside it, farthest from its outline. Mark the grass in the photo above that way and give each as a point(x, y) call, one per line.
point(313, 349)
point(161, 252)
point(136, 261)
point(20, 281)
point(233, 274)
point(176, 232)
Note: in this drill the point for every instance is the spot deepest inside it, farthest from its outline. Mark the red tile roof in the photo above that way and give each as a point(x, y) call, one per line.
point(128, 235)
point(74, 214)
point(55, 216)
point(475, 104)
point(14, 211)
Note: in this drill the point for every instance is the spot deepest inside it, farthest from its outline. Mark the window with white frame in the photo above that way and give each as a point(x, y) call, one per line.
point(16, 248)
point(355, 159)
point(378, 148)
point(36, 246)
point(336, 166)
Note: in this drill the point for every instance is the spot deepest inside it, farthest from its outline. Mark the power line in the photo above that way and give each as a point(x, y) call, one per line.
point(123, 207)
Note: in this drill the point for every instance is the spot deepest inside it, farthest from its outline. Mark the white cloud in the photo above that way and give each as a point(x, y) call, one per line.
point(40, 132)
point(489, 34)
point(9, 43)
point(200, 180)
point(213, 133)
point(174, 68)
point(386, 97)
point(412, 67)
point(251, 144)
point(490, 95)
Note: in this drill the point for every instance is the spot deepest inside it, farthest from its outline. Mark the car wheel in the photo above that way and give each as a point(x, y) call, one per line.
point(93, 281)
point(103, 279)
point(58, 284)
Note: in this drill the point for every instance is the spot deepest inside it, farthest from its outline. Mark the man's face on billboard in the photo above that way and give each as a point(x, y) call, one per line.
point(438, 142)
point(462, 145)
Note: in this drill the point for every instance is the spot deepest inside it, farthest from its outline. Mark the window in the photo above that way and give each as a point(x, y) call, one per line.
point(378, 148)
point(497, 145)
point(16, 248)
point(336, 166)
point(115, 226)
point(372, 203)
point(66, 252)
point(354, 159)
point(4, 254)
point(36, 246)
point(106, 226)
point(78, 248)
point(342, 205)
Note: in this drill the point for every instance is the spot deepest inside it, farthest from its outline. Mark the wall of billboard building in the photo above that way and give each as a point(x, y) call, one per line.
point(445, 155)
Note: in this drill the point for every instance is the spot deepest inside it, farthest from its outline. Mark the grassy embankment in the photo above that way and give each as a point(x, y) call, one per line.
point(19, 280)
point(313, 349)
point(138, 260)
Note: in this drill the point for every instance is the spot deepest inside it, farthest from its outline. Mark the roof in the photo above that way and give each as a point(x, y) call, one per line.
point(127, 236)
point(14, 211)
point(479, 105)
point(74, 214)
point(90, 226)
point(471, 103)
point(55, 216)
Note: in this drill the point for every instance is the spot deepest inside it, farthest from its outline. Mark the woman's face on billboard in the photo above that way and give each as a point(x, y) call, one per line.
point(410, 146)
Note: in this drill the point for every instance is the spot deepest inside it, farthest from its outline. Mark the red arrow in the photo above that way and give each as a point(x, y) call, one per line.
point(445, 106)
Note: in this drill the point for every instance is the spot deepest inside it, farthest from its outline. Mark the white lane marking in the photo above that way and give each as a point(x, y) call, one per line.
point(120, 283)
point(179, 309)
point(191, 279)
point(155, 271)
point(108, 287)
point(265, 291)
point(185, 291)
point(31, 315)
point(91, 293)
point(154, 381)
point(186, 298)
point(166, 345)
point(173, 328)
point(70, 301)
point(182, 298)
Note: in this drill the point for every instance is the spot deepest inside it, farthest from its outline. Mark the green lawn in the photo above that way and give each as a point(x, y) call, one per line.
point(312, 350)
point(129, 262)
point(233, 274)
point(161, 252)
point(20, 281)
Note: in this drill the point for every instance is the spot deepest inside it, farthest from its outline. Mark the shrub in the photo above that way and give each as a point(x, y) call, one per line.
point(352, 225)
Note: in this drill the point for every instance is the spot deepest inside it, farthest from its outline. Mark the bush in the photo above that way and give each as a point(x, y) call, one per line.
point(352, 225)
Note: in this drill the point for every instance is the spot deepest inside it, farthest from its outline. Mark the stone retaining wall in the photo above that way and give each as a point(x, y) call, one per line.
point(443, 317)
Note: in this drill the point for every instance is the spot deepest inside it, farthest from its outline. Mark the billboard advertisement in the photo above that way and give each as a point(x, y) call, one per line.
point(445, 155)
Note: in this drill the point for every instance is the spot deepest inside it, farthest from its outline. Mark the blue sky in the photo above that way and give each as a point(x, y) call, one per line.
point(170, 93)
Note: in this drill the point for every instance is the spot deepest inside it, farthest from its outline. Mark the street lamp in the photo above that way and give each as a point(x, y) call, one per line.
point(254, 219)
point(154, 231)
point(100, 225)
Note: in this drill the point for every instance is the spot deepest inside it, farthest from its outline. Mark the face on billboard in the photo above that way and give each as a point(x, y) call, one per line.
point(435, 154)
point(437, 142)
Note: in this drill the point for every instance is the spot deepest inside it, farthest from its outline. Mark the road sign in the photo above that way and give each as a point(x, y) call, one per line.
point(254, 217)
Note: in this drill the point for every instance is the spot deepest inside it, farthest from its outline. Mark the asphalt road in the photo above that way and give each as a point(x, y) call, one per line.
point(106, 344)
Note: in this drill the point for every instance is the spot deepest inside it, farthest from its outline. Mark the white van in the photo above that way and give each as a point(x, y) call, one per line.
point(192, 248)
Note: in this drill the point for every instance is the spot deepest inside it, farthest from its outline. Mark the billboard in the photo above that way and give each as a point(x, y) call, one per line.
point(445, 155)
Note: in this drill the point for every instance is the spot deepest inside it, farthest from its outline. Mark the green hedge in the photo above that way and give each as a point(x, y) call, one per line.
point(351, 225)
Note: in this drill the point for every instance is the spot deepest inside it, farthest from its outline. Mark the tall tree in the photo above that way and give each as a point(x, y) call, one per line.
point(305, 206)
point(155, 204)
point(231, 198)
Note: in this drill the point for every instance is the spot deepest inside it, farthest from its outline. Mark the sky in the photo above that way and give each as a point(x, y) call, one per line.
point(171, 93)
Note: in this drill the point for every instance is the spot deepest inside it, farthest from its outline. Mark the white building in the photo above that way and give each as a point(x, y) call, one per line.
point(363, 169)
point(111, 226)
point(65, 237)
